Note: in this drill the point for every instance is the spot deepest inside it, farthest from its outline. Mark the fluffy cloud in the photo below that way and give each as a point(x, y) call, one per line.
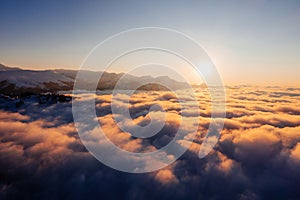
point(257, 156)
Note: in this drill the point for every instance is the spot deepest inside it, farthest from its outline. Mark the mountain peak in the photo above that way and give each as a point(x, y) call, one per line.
point(5, 68)
point(17, 81)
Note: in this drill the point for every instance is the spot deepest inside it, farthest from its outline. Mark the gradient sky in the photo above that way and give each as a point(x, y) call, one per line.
point(250, 41)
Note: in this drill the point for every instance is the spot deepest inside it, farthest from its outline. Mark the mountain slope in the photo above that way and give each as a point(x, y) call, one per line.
point(15, 81)
point(5, 68)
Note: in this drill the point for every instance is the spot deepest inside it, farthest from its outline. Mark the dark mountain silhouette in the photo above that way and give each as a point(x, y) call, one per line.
point(16, 81)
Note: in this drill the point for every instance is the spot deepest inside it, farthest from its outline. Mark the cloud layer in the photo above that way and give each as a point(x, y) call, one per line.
point(257, 156)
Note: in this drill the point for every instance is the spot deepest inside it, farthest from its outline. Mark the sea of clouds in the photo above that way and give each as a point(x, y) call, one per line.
point(257, 156)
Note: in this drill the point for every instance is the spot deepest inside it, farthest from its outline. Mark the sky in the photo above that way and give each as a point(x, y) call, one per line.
point(255, 42)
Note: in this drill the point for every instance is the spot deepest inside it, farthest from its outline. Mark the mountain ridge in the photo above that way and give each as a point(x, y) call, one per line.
point(16, 81)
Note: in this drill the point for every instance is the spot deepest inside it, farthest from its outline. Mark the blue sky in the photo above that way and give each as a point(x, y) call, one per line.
point(250, 41)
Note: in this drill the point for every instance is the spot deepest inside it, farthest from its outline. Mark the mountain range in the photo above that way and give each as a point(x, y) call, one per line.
point(16, 81)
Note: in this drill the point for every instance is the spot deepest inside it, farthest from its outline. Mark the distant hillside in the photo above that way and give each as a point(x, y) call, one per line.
point(5, 68)
point(15, 81)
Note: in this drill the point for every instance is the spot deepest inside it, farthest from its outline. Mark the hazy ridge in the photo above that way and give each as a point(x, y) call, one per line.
point(14, 81)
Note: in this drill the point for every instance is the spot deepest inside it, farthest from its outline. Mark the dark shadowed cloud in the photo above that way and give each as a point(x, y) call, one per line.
point(257, 156)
